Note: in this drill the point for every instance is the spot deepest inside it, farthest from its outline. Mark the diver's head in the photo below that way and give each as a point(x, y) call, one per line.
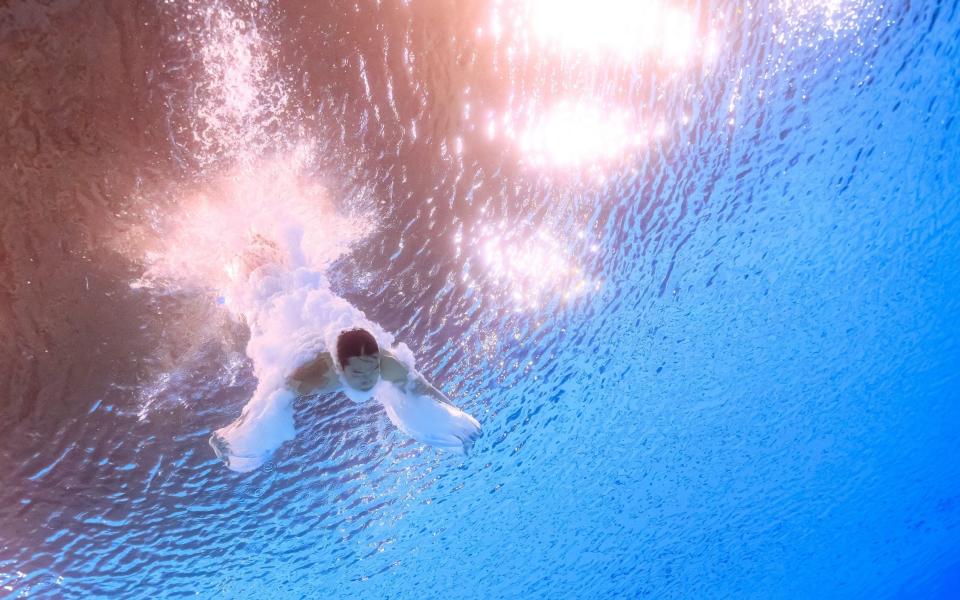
point(359, 357)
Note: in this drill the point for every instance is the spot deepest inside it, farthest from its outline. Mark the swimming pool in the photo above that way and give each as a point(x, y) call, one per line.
point(691, 265)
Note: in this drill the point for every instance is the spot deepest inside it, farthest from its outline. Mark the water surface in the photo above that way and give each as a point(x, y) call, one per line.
point(692, 265)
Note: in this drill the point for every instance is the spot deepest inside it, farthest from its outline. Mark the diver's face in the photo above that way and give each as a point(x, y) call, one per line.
point(362, 372)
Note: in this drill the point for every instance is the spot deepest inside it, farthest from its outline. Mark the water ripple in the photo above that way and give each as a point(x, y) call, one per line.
point(704, 308)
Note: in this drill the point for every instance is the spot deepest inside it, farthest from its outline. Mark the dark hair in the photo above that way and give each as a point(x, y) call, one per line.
point(355, 342)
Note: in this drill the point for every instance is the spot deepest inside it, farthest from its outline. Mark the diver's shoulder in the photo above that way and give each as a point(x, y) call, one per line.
point(320, 364)
point(316, 375)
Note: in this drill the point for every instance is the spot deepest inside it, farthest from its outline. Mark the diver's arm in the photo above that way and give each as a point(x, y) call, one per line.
point(314, 377)
point(394, 371)
point(425, 388)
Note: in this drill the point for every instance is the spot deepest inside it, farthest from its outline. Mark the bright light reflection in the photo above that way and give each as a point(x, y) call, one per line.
point(532, 270)
point(830, 10)
point(588, 131)
point(628, 28)
point(811, 17)
point(576, 133)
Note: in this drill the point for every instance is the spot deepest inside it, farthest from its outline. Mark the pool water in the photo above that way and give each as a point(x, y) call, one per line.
point(692, 265)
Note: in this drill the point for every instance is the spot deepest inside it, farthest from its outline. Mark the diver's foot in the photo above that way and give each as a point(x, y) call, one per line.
point(261, 251)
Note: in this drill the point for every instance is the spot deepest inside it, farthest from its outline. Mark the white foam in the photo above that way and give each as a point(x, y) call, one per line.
point(293, 316)
point(261, 240)
point(271, 206)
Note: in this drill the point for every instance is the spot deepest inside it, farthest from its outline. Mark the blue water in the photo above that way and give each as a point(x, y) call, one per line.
point(760, 398)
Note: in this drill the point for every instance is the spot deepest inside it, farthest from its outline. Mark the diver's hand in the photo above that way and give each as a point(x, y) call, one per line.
point(220, 448)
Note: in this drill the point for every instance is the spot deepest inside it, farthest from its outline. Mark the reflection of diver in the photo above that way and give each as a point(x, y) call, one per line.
point(360, 370)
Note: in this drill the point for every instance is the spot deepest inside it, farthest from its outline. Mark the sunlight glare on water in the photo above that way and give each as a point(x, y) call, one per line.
point(610, 29)
point(587, 129)
point(576, 133)
point(690, 264)
point(532, 269)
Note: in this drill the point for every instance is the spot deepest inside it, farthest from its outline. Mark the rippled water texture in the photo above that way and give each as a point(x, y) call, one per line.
point(692, 265)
